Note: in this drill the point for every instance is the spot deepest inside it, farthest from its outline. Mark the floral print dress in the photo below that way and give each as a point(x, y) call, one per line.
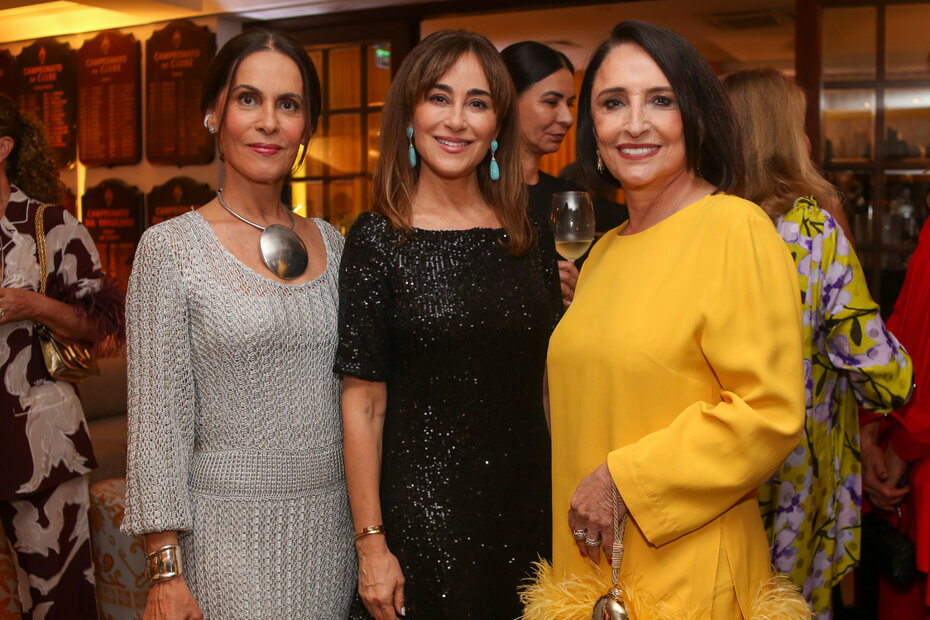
point(811, 506)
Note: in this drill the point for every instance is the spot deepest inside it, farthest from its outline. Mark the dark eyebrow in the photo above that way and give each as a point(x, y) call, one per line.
point(620, 90)
point(554, 93)
point(253, 89)
point(474, 91)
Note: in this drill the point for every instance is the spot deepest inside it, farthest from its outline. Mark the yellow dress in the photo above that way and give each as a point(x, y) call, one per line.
point(679, 363)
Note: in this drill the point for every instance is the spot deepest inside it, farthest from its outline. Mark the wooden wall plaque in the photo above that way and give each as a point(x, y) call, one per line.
point(113, 215)
point(176, 61)
point(6, 74)
point(174, 197)
point(45, 87)
point(109, 103)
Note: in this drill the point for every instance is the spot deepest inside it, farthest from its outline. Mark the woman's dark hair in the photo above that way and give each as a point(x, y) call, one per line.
point(31, 165)
point(223, 68)
point(712, 145)
point(529, 62)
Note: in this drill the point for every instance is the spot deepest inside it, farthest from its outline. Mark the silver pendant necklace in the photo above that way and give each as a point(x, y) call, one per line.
point(283, 250)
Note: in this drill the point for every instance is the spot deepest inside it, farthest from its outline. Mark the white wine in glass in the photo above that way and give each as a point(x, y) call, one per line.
point(572, 220)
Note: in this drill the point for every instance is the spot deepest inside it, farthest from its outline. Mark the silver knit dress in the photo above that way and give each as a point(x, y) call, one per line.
point(235, 432)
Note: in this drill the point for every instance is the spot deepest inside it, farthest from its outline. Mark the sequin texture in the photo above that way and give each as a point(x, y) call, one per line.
point(458, 329)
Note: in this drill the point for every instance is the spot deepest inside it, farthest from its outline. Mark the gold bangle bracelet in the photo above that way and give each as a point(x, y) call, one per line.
point(367, 531)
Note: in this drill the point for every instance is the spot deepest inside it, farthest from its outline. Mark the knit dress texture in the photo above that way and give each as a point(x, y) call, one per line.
point(235, 432)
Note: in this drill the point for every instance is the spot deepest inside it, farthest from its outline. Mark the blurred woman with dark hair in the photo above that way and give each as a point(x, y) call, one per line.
point(46, 451)
point(545, 84)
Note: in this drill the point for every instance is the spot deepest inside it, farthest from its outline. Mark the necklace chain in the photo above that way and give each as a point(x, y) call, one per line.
point(219, 194)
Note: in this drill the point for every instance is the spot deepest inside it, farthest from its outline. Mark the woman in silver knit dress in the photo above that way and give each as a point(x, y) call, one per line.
point(235, 438)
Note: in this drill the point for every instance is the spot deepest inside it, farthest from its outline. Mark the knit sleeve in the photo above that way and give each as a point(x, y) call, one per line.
point(161, 399)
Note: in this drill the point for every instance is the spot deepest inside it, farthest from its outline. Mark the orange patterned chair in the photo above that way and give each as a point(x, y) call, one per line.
point(119, 559)
point(9, 596)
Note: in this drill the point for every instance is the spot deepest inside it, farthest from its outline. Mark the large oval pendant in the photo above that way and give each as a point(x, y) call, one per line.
point(610, 607)
point(284, 252)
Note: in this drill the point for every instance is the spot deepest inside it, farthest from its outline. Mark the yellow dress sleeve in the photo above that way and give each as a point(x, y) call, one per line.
point(716, 451)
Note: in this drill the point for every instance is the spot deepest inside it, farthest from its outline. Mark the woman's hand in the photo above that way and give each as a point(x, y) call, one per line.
point(172, 600)
point(897, 467)
point(592, 512)
point(568, 276)
point(877, 482)
point(18, 304)
point(380, 579)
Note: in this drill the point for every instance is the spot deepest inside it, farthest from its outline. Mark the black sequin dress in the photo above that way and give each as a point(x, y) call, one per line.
point(458, 329)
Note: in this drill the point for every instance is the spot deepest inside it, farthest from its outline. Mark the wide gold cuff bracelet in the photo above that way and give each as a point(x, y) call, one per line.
point(163, 564)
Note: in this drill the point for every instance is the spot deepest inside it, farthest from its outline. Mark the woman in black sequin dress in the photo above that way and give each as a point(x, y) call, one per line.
point(447, 300)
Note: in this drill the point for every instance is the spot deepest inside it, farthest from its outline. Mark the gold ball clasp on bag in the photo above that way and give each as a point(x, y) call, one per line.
point(610, 607)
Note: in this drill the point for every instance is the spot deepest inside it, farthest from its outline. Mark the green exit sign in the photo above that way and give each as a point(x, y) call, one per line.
point(382, 58)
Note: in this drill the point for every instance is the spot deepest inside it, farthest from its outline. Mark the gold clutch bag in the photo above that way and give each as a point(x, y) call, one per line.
point(64, 361)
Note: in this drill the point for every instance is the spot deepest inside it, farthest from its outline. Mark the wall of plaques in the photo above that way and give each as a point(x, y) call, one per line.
point(179, 195)
point(113, 214)
point(176, 61)
point(91, 99)
point(96, 119)
point(109, 115)
point(44, 86)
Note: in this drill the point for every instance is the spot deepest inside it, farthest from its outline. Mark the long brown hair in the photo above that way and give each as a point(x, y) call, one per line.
point(31, 165)
point(395, 180)
point(769, 108)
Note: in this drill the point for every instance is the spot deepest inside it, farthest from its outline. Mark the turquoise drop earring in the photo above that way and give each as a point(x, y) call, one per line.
point(411, 152)
point(495, 171)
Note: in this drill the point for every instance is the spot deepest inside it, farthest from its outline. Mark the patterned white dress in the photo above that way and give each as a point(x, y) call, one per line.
point(45, 453)
point(235, 432)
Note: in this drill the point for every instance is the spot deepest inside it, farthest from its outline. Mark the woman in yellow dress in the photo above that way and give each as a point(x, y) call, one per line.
point(676, 374)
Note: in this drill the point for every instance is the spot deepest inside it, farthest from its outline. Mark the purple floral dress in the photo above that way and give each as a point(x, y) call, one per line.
point(811, 506)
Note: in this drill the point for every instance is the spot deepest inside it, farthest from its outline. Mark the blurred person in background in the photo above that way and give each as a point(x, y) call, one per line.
point(811, 506)
point(44, 442)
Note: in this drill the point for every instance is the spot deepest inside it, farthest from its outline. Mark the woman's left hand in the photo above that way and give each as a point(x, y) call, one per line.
point(17, 304)
point(592, 511)
point(568, 278)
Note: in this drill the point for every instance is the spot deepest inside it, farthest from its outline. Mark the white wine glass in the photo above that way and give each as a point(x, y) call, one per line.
point(572, 219)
